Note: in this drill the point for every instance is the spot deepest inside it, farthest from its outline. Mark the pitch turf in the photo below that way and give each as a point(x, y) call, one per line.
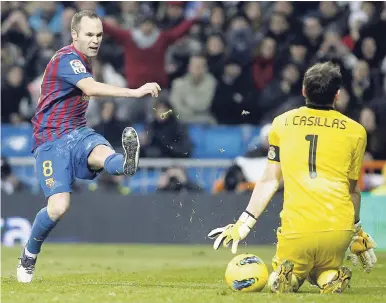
point(156, 273)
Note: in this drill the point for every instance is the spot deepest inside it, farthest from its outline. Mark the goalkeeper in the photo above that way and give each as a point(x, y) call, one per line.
point(318, 152)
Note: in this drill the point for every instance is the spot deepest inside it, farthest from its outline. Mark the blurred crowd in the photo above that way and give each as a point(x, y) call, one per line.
point(217, 62)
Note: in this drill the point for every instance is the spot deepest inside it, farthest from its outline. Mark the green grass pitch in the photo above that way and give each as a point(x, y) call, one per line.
point(157, 273)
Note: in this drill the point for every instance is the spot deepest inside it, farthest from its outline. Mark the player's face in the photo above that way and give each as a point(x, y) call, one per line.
point(89, 37)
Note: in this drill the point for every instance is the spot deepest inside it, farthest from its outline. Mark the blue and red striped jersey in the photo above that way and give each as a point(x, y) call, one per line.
point(62, 105)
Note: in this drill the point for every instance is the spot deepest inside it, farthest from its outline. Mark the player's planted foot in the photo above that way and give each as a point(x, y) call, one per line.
point(339, 283)
point(282, 278)
point(25, 268)
point(130, 143)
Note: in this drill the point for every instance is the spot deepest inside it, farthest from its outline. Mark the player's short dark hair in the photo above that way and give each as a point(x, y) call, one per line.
point(321, 83)
point(78, 17)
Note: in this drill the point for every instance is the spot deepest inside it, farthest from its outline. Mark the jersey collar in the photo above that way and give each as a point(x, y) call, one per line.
point(82, 56)
point(321, 107)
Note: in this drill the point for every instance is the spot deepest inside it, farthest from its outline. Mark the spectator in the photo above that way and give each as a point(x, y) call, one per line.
point(47, 16)
point(263, 64)
point(288, 9)
point(279, 30)
point(175, 179)
point(191, 95)
point(145, 55)
point(178, 56)
point(129, 11)
point(360, 85)
point(240, 40)
point(109, 127)
point(367, 50)
point(373, 118)
point(234, 97)
point(15, 98)
point(216, 22)
point(331, 17)
point(312, 31)
point(174, 14)
point(41, 53)
point(165, 136)
point(145, 48)
point(216, 55)
point(65, 31)
point(299, 53)
point(277, 93)
point(253, 12)
point(348, 105)
point(17, 34)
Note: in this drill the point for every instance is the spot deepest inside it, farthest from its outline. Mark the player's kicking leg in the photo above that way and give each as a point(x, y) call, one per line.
point(102, 156)
point(45, 221)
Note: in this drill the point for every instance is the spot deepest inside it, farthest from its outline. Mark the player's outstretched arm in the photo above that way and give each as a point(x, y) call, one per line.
point(262, 194)
point(93, 88)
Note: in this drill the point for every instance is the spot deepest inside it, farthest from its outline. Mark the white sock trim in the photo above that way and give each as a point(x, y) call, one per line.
point(29, 254)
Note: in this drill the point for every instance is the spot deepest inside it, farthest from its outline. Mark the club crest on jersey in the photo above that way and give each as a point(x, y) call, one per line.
point(78, 67)
point(50, 182)
point(271, 153)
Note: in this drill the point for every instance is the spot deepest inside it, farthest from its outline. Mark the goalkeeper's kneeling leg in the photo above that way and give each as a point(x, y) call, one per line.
point(283, 280)
point(332, 280)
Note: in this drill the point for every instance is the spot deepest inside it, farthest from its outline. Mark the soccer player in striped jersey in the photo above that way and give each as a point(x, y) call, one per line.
point(63, 146)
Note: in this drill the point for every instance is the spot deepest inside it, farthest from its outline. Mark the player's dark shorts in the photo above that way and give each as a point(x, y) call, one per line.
point(59, 162)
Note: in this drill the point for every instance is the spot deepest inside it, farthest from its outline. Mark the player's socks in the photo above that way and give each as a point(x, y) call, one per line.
point(334, 281)
point(40, 230)
point(29, 254)
point(114, 164)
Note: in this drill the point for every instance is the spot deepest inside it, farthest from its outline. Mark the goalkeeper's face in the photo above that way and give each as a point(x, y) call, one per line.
point(89, 36)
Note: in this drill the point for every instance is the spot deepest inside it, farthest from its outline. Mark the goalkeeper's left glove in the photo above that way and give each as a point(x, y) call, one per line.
point(233, 232)
point(362, 247)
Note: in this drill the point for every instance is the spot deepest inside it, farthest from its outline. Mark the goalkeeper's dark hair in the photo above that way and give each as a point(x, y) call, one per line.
point(321, 83)
point(75, 22)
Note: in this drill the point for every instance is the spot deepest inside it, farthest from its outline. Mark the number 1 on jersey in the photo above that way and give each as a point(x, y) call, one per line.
point(313, 139)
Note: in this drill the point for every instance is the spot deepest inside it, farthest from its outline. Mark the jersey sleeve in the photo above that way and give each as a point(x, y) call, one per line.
point(274, 142)
point(71, 69)
point(356, 162)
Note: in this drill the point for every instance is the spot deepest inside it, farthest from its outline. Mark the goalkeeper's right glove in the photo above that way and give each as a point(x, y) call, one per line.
point(362, 247)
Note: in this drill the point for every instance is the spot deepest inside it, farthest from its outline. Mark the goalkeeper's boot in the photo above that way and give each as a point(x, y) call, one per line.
point(25, 268)
point(339, 282)
point(130, 143)
point(281, 280)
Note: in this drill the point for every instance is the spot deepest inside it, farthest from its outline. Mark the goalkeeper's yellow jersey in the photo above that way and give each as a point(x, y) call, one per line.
point(319, 150)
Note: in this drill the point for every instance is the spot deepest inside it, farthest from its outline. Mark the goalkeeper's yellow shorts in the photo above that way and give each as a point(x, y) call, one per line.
point(312, 251)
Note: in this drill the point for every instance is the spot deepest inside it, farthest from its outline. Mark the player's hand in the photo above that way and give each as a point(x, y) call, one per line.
point(362, 248)
point(148, 89)
point(233, 232)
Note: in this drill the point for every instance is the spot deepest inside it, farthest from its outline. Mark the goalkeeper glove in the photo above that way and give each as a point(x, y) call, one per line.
point(233, 232)
point(362, 247)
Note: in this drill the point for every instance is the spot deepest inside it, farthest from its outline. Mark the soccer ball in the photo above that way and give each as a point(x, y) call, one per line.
point(247, 273)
